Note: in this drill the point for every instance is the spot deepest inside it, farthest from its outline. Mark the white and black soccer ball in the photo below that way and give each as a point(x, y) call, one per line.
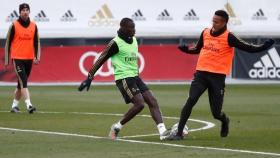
point(174, 129)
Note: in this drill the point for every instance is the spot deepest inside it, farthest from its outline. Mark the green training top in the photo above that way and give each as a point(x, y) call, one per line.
point(125, 62)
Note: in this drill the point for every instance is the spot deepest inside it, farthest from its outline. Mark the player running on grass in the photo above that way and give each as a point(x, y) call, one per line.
point(123, 51)
point(215, 49)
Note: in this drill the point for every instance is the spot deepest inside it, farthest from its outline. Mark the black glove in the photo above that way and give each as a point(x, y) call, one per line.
point(84, 84)
point(268, 43)
point(183, 48)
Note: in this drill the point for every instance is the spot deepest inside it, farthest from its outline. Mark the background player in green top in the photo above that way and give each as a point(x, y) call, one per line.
point(123, 51)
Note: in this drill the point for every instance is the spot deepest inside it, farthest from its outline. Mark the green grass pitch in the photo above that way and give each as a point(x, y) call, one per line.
point(254, 111)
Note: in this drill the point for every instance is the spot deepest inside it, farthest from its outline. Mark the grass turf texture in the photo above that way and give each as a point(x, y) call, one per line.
point(254, 111)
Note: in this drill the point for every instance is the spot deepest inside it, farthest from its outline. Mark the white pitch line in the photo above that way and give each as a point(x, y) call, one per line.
point(142, 142)
point(208, 124)
point(140, 135)
point(201, 147)
point(156, 134)
point(51, 133)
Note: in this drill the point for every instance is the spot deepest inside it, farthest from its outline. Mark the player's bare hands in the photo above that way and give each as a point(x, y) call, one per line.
point(36, 61)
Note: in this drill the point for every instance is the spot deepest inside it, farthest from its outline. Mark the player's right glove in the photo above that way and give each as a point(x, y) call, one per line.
point(85, 84)
point(183, 48)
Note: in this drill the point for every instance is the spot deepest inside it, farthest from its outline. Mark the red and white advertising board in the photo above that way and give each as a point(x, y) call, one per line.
point(70, 64)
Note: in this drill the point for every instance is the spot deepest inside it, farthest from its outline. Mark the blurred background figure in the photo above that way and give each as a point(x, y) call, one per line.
point(23, 47)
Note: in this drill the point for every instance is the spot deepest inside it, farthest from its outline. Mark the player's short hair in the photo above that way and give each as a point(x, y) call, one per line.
point(125, 21)
point(222, 14)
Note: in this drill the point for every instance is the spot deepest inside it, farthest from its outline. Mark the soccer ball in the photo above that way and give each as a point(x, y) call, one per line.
point(174, 129)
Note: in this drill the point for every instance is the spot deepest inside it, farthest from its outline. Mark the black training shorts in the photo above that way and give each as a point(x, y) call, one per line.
point(131, 86)
point(22, 69)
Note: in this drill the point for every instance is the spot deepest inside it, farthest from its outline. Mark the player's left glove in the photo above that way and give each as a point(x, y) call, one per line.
point(85, 84)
